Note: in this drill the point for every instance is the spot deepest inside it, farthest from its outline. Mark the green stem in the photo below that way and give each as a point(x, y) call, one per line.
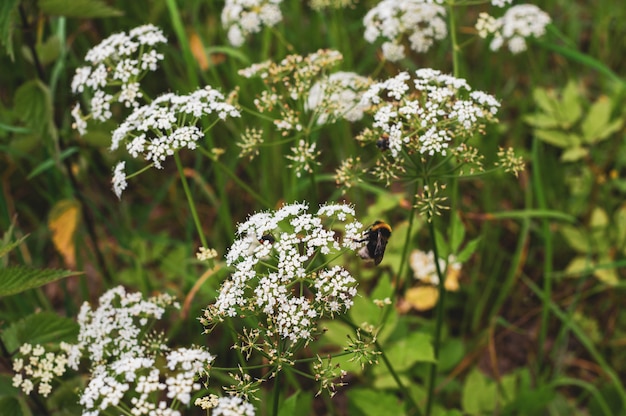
point(179, 28)
point(453, 40)
point(439, 317)
point(192, 205)
point(537, 180)
point(276, 394)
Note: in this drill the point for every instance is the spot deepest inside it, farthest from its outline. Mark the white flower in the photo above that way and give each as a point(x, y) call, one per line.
point(421, 21)
point(274, 252)
point(79, 123)
point(244, 17)
point(519, 23)
point(428, 118)
point(338, 96)
point(424, 268)
point(232, 406)
point(119, 179)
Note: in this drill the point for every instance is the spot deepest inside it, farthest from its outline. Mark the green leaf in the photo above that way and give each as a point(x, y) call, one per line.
point(574, 153)
point(416, 347)
point(40, 328)
point(541, 121)
point(597, 126)
point(298, 403)
point(478, 395)
point(18, 279)
point(368, 402)
point(7, 23)
point(47, 52)
point(11, 406)
point(78, 8)
point(547, 102)
point(34, 105)
point(468, 250)
point(50, 163)
point(457, 232)
point(576, 238)
point(5, 248)
point(558, 138)
point(571, 106)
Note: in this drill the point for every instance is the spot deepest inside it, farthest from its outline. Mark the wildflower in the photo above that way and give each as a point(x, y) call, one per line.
point(166, 125)
point(429, 202)
point(128, 368)
point(349, 173)
point(205, 254)
point(421, 21)
point(289, 84)
point(424, 296)
point(519, 23)
point(34, 366)
point(116, 66)
point(251, 140)
point(427, 115)
point(509, 161)
point(243, 17)
point(267, 271)
point(304, 157)
point(231, 406)
point(338, 96)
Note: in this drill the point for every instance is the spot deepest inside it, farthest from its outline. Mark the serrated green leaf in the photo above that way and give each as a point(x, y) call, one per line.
point(558, 138)
point(541, 121)
point(8, 247)
point(572, 109)
point(34, 105)
point(40, 328)
point(573, 154)
point(78, 8)
point(7, 17)
point(575, 238)
point(596, 120)
point(20, 278)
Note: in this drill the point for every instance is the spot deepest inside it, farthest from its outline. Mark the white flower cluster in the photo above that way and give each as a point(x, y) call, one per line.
point(225, 406)
point(276, 262)
point(34, 366)
point(166, 125)
point(422, 21)
point(428, 117)
point(518, 23)
point(117, 63)
point(304, 157)
point(500, 3)
point(338, 96)
point(124, 368)
point(243, 17)
point(425, 270)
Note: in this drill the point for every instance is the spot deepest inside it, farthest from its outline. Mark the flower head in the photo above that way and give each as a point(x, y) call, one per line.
point(276, 261)
point(421, 21)
point(243, 17)
point(338, 96)
point(519, 23)
point(115, 67)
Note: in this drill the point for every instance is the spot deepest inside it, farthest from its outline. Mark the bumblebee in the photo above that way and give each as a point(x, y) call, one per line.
point(376, 236)
point(383, 142)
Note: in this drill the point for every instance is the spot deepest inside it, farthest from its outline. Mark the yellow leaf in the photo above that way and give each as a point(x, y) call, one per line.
point(62, 223)
point(422, 298)
point(452, 279)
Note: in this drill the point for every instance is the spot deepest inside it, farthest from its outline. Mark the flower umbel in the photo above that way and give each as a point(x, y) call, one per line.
point(116, 66)
point(243, 17)
point(420, 21)
point(277, 260)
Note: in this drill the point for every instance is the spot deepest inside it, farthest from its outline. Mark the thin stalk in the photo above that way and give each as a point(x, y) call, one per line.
point(548, 252)
point(453, 40)
point(439, 317)
point(276, 394)
point(192, 205)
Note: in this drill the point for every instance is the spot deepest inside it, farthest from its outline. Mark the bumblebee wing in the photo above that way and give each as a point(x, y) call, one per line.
point(379, 250)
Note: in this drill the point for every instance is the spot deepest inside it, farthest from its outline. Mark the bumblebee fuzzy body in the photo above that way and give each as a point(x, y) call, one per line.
point(376, 237)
